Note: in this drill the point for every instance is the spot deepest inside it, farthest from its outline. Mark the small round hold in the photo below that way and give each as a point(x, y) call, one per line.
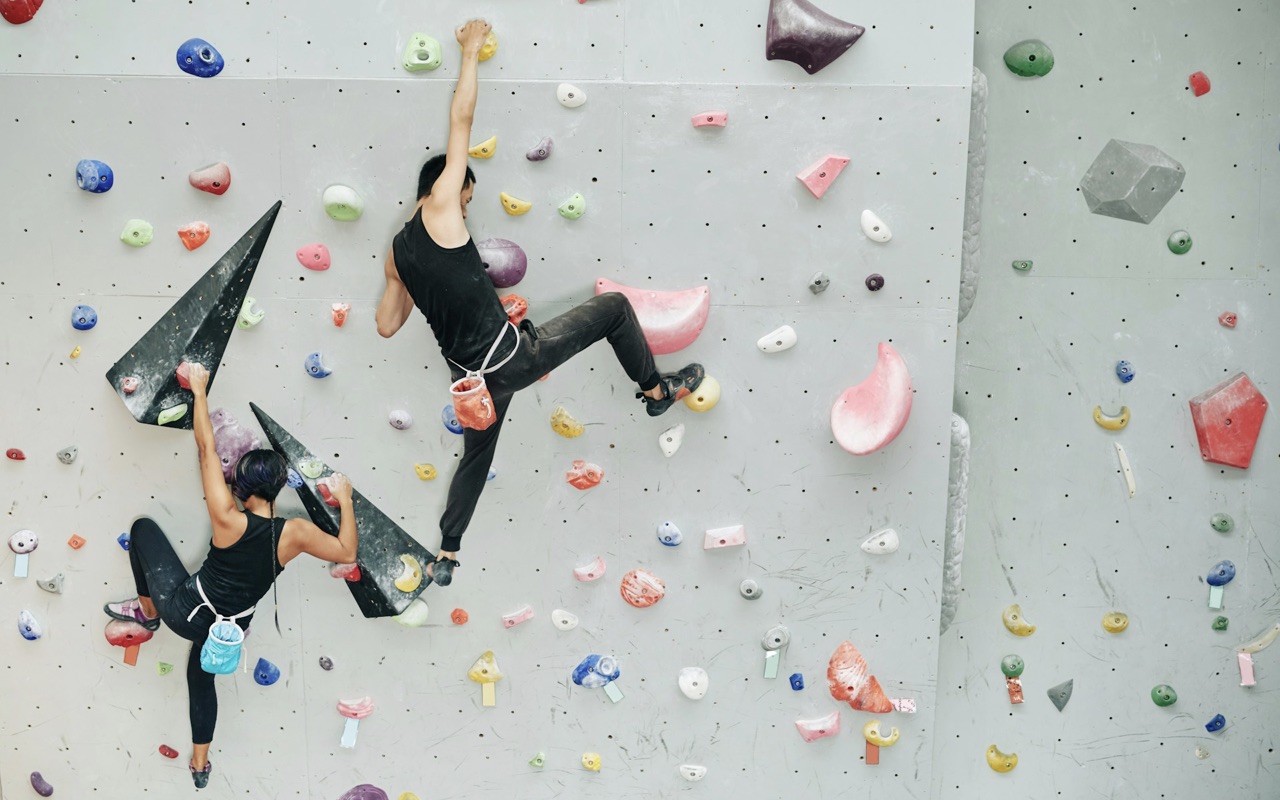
point(1179, 242)
point(750, 589)
point(776, 638)
point(1220, 623)
point(83, 318)
point(875, 281)
point(570, 96)
point(1222, 523)
point(199, 58)
point(1124, 371)
point(326, 663)
point(1012, 666)
point(1221, 574)
point(1201, 753)
point(68, 454)
point(1227, 319)
point(14, 454)
point(94, 176)
point(400, 419)
point(1164, 695)
point(819, 282)
point(459, 616)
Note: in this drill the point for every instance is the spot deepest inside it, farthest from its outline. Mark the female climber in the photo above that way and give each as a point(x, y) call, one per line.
point(434, 264)
point(248, 550)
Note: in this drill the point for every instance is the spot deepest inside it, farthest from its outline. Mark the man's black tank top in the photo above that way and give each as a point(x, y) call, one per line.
point(236, 577)
point(449, 286)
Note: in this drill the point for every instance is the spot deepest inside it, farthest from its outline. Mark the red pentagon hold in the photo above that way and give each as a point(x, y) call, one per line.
point(1199, 83)
point(1228, 419)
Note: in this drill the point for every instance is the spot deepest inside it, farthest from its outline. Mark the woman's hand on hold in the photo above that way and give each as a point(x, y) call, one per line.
point(340, 487)
point(198, 377)
point(472, 35)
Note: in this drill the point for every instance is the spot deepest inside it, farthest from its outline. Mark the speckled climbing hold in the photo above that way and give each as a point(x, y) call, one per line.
point(800, 32)
point(573, 207)
point(425, 472)
point(1012, 666)
point(38, 783)
point(485, 149)
point(1059, 695)
point(705, 397)
point(711, 119)
point(51, 585)
point(315, 365)
point(83, 318)
point(1222, 523)
point(450, 419)
point(515, 307)
point(1109, 422)
point(542, 150)
point(137, 233)
point(342, 203)
point(882, 542)
point(265, 673)
point(594, 671)
point(583, 475)
point(818, 177)
point(193, 234)
point(414, 615)
point(459, 616)
point(729, 536)
point(1001, 762)
point(1179, 242)
point(750, 589)
point(1220, 623)
point(564, 620)
point(1199, 83)
point(591, 761)
point(490, 47)
point(326, 663)
point(797, 681)
point(129, 384)
point(539, 759)
point(1023, 265)
point(68, 454)
point(28, 626)
point(1216, 724)
point(521, 615)
point(514, 205)
point(422, 53)
point(874, 228)
point(670, 440)
point(1131, 181)
point(693, 682)
point(199, 58)
point(214, 179)
point(485, 671)
point(591, 571)
point(1015, 622)
point(314, 256)
point(776, 341)
point(1163, 695)
point(641, 588)
point(570, 96)
point(867, 417)
point(504, 261)
point(172, 414)
point(16, 12)
point(400, 419)
point(670, 535)
point(1115, 621)
point(14, 454)
point(339, 312)
point(250, 315)
point(1124, 371)
point(563, 423)
point(94, 176)
point(167, 751)
point(874, 282)
point(1030, 59)
point(813, 729)
point(1228, 419)
point(819, 282)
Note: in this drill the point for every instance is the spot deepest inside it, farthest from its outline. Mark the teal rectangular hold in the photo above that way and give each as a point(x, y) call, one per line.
point(771, 660)
point(614, 693)
point(1215, 597)
point(20, 565)
point(349, 733)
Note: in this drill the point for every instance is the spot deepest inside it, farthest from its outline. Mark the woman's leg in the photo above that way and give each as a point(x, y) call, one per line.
point(202, 700)
point(157, 570)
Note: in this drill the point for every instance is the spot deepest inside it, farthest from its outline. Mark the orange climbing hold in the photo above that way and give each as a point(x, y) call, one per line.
point(194, 234)
point(459, 616)
point(849, 682)
point(76, 541)
point(1228, 418)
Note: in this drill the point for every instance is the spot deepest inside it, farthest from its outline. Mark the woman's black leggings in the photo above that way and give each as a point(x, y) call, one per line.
point(158, 573)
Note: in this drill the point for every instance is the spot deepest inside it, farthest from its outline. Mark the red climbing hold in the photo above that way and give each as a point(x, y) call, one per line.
point(182, 372)
point(515, 306)
point(459, 616)
point(1199, 83)
point(214, 179)
point(194, 234)
point(326, 492)
point(1227, 319)
point(15, 454)
point(1228, 419)
point(19, 11)
point(168, 752)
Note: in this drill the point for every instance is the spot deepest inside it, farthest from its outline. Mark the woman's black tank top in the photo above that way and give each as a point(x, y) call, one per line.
point(449, 286)
point(236, 577)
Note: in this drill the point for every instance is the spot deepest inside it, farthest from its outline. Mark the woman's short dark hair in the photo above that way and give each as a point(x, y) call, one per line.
point(260, 473)
point(431, 172)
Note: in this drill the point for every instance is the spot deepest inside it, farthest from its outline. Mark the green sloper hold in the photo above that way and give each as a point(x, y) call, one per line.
point(382, 541)
point(1012, 666)
point(422, 53)
point(574, 207)
point(538, 760)
point(1219, 623)
point(1179, 242)
point(172, 414)
point(1060, 694)
point(163, 667)
point(1030, 59)
point(1164, 695)
point(1022, 266)
point(137, 233)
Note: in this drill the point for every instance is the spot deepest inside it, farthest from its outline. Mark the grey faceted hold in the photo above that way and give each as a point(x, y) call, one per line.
point(1131, 181)
point(68, 454)
point(819, 282)
point(1060, 694)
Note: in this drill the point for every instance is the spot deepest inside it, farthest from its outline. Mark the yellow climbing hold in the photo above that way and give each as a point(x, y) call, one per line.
point(485, 149)
point(426, 472)
point(1015, 623)
point(1115, 621)
point(1111, 423)
point(1001, 762)
point(490, 46)
point(705, 397)
point(591, 761)
point(407, 796)
point(411, 574)
point(486, 673)
point(564, 424)
point(76, 353)
point(514, 205)
point(871, 732)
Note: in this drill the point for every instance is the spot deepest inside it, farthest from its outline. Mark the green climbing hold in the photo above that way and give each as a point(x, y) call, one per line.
point(311, 467)
point(1164, 695)
point(172, 414)
point(1012, 666)
point(164, 667)
point(574, 207)
point(1179, 242)
point(1030, 59)
point(1022, 266)
point(1222, 523)
point(422, 53)
point(538, 760)
point(137, 233)
point(1219, 623)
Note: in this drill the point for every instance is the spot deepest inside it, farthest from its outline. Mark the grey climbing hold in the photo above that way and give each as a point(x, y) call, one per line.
point(957, 507)
point(819, 282)
point(750, 589)
point(1131, 181)
point(326, 663)
point(971, 240)
point(1060, 694)
point(68, 454)
point(53, 584)
point(776, 638)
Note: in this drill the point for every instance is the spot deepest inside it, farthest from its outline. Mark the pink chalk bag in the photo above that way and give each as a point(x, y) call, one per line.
point(472, 403)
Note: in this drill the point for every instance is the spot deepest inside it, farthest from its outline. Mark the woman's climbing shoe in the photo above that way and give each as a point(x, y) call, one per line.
point(131, 611)
point(201, 776)
point(675, 386)
point(442, 570)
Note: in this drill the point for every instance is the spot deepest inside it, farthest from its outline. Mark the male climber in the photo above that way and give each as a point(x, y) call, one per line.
point(434, 264)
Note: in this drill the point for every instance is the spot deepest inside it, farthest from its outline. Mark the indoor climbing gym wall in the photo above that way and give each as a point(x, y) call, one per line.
point(741, 598)
point(1113, 633)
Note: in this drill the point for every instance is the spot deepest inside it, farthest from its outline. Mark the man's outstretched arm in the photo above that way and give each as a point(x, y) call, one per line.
point(462, 111)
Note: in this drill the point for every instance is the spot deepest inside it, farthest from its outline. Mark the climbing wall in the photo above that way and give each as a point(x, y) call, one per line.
point(1051, 525)
point(314, 93)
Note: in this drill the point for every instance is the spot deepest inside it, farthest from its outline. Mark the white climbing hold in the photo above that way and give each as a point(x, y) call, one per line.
point(881, 543)
point(669, 534)
point(693, 772)
point(694, 682)
point(570, 96)
point(670, 439)
point(414, 614)
point(590, 572)
point(783, 338)
point(812, 729)
point(400, 419)
point(874, 228)
point(342, 203)
point(53, 584)
point(732, 536)
point(564, 620)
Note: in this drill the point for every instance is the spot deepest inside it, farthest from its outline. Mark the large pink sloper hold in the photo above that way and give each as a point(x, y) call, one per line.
point(813, 729)
point(670, 320)
point(868, 416)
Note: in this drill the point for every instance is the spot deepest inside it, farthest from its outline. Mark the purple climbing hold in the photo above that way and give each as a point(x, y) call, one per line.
point(875, 281)
point(504, 262)
point(800, 32)
point(231, 439)
point(365, 791)
point(42, 787)
point(542, 150)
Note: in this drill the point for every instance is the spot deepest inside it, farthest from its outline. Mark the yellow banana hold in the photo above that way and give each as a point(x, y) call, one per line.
point(871, 732)
point(1001, 762)
point(1111, 423)
point(1014, 621)
point(490, 46)
point(514, 205)
point(410, 575)
point(485, 149)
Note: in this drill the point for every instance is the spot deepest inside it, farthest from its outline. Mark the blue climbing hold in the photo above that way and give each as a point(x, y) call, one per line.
point(669, 534)
point(1216, 724)
point(450, 419)
point(315, 366)
point(123, 540)
point(1221, 574)
point(83, 318)
point(294, 480)
point(94, 176)
point(595, 671)
point(1124, 371)
point(266, 673)
point(198, 57)
point(797, 681)
point(493, 473)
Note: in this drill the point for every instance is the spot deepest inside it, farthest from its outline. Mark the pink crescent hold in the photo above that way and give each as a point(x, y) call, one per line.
point(356, 709)
point(590, 572)
point(711, 118)
point(811, 729)
point(868, 416)
point(314, 256)
point(820, 175)
point(670, 320)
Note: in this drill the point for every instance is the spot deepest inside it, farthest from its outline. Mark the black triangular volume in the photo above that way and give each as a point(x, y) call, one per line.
point(382, 541)
point(196, 329)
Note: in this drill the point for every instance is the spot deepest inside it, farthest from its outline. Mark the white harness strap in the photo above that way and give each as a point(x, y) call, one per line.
point(484, 366)
point(217, 617)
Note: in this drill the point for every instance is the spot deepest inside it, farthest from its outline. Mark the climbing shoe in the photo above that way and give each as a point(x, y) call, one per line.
point(131, 611)
point(201, 776)
point(675, 386)
point(442, 570)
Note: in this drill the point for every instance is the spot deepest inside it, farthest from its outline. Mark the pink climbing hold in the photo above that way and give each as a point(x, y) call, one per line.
point(590, 572)
point(641, 588)
point(183, 372)
point(214, 179)
point(868, 416)
point(1199, 83)
point(670, 320)
point(168, 752)
point(340, 311)
point(716, 119)
point(323, 486)
point(849, 682)
point(1227, 319)
point(1228, 419)
point(194, 234)
point(348, 572)
point(17, 12)
point(314, 256)
point(583, 475)
point(818, 177)
point(129, 385)
point(515, 306)
point(814, 729)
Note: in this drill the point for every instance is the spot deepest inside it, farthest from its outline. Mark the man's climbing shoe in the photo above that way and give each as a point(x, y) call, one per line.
point(442, 570)
point(131, 611)
point(201, 776)
point(675, 386)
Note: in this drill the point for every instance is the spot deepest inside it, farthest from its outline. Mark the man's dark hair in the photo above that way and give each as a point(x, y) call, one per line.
point(431, 173)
